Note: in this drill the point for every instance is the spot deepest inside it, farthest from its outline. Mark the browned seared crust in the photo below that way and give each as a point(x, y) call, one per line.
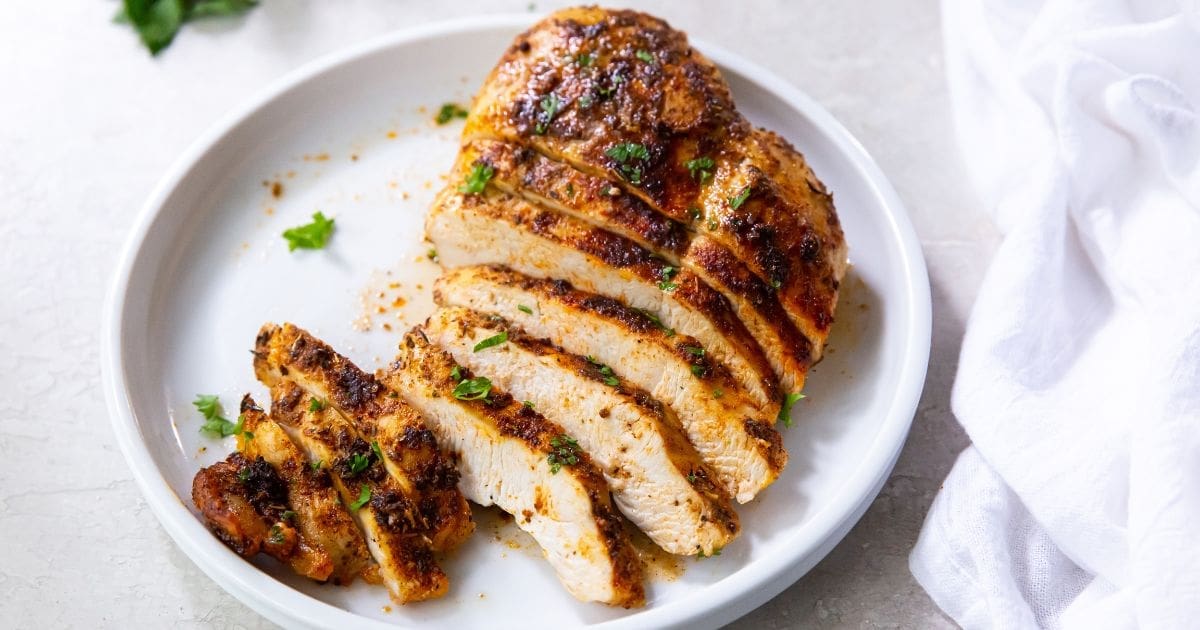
point(426, 477)
point(431, 367)
point(727, 335)
point(596, 200)
point(316, 510)
point(644, 84)
point(393, 526)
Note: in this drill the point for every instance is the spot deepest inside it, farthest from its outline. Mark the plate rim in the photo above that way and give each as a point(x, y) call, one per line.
point(721, 602)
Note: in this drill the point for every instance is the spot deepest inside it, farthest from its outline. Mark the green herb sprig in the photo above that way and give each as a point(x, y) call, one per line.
point(310, 235)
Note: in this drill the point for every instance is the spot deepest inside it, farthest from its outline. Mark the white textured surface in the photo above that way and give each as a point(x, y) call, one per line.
point(89, 124)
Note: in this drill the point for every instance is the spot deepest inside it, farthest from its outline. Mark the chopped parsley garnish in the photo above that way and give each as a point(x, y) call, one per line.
point(310, 235)
point(584, 59)
point(645, 55)
point(528, 404)
point(718, 392)
point(667, 273)
point(478, 178)
point(697, 371)
point(364, 495)
point(288, 516)
point(715, 552)
point(432, 255)
point(700, 168)
point(565, 453)
point(606, 372)
point(657, 322)
point(375, 449)
point(585, 101)
point(316, 404)
point(456, 373)
point(358, 463)
point(449, 112)
point(692, 478)
point(550, 105)
point(276, 535)
point(215, 425)
point(525, 309)
point(494, 340)
point(694, 213)
point(249, 435)
point(243, 475)
point(694, 351)
point(776, 283)
point(712, 225)
point(615, 82)
point(317, 465)
point(785, 410)
point(570, 189)
point(624, 154)
point(476, 388)
point(736, 202)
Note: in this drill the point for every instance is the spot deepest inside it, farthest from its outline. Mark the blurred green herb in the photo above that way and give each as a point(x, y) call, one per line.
point(158, 21)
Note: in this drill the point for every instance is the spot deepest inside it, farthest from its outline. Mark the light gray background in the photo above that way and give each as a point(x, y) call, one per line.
point(88, 122)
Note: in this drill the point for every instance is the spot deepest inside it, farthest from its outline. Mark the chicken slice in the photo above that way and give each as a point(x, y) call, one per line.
point(658, 479)
point(720, 419)
point(314, 508)
point(558, 186)
point(425, 477)
point(244, 502)
point(392, 523)
point(512, 457)
point(492, 227)
point(621, 94)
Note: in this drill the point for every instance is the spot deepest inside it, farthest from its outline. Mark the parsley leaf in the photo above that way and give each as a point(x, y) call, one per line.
point(358, 463)
point(316, 404)
point(645, 55)
point(494, 340)
point(364, 495)
point(736, 202)
point(550, 105)
point(525, 309)
point(700, 168)
point(215, 425)
point(584, 60)
point(785, 411)
point(158, 21)
point(624, 153)
point(477, 180)
point(667, 273)
point(456, 373)
point(564, 452)
point(473, 389)
point(606, 372)
point(694, 351)
point(718, 392)
point(528, 404)
point(715, 552)
point(657, 322)
point(378, 451)
point(449, 112)
point(317, 465)
point(698, 371)
point(310, 236)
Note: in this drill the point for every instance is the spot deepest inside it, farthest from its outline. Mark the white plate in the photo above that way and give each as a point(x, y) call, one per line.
point(351, 135)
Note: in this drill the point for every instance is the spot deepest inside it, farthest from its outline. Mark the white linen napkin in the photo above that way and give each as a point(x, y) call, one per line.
point(1078, 505)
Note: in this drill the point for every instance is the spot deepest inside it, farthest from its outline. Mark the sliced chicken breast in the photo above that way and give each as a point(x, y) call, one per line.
point(426, 477)
point(243, 502)
point(394, 528)
point(621, 94)
point(314, 509)
point(657, 478)
point(495, 228)
point(719, 418)
point(598, 201)
point(512, 457)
